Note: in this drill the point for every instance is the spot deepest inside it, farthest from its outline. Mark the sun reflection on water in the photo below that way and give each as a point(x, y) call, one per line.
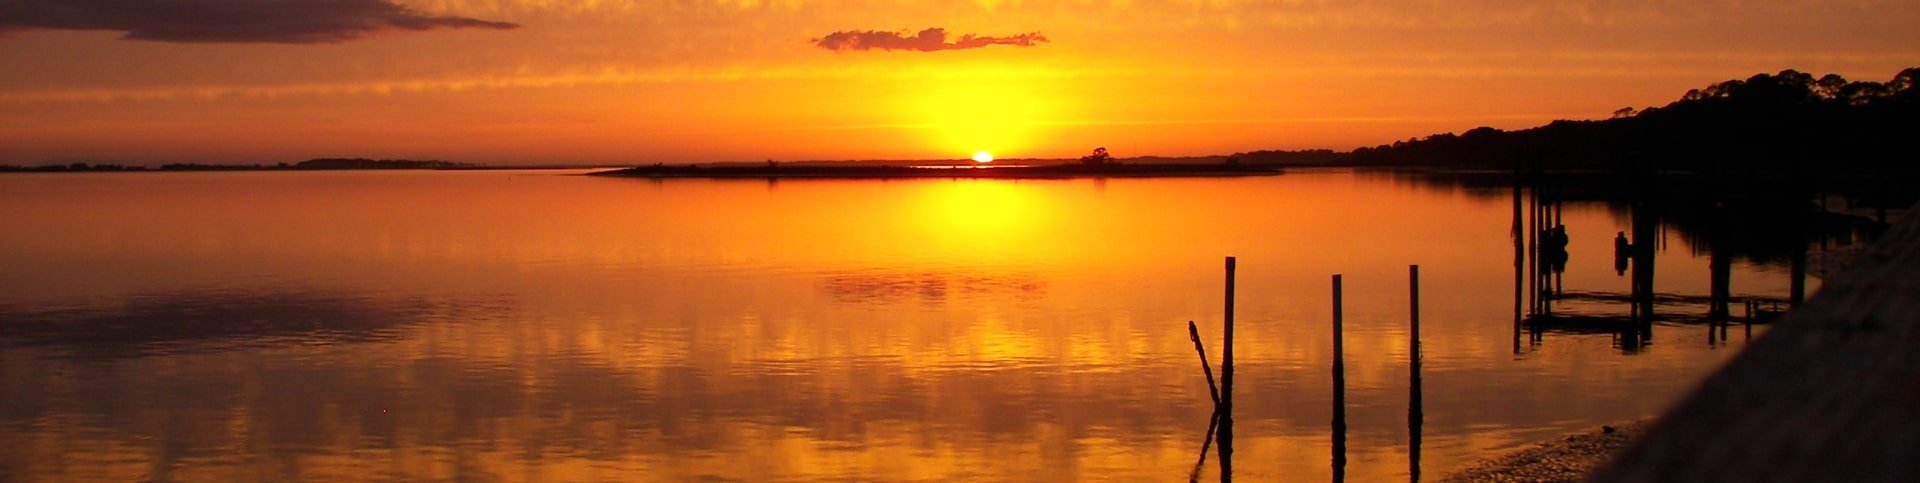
point(572, 328)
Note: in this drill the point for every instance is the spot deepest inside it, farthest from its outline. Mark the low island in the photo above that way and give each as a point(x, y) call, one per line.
point(1052, 171)
point(1097, 165)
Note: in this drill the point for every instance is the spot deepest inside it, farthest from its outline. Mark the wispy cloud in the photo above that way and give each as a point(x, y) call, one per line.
point(1345, 65)
point(929, 40)
point(229, 21)
point(585, 76)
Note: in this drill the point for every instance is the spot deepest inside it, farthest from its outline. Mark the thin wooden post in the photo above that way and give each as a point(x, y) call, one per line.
point(1646, 235)
point(1225, 434)
point(1413, 288)
point(1519, 262)
point(1720, 278)
point(1226, 352)
point(1416, 416)
point(1797, 272)
point(1533, 251)
point(1558, 282)
point(1193, 332)
point(1339, 389)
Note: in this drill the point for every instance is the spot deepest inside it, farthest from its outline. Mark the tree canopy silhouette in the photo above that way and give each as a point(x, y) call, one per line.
point(1782, 124)
point(1098, 157)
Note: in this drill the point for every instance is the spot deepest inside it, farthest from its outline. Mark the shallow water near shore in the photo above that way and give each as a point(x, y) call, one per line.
point(539, 325)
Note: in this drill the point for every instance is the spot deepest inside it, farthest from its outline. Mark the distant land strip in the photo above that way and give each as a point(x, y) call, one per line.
point(1052, 171)
point(311, 164)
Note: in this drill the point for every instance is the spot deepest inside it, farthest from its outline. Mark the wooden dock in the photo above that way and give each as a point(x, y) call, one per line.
point(1831, 393)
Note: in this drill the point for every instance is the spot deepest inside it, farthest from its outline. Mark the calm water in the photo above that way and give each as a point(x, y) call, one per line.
point(543, 326)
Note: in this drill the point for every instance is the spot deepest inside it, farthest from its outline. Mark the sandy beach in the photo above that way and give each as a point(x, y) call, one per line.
point(1567, 459)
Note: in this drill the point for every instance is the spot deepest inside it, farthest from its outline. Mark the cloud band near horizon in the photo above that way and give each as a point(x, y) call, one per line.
point(930, 40)
point(230, 21)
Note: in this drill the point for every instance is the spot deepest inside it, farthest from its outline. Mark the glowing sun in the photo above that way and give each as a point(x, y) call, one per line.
point(982, 157)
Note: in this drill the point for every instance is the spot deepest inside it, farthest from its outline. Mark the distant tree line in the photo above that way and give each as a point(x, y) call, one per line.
point(221, 167)
point(9, 168)
point(1776, 124)
point(364, 163)
point(1309, 157)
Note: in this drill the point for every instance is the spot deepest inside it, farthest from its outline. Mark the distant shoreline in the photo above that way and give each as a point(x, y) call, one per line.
point(323, 164)
point(1053, 171)
point(249, 169)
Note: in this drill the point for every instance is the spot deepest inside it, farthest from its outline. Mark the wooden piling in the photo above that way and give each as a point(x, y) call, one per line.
point(1720, 279)
point(1339, 389)
point(1413, 296)
point(1533, 251)
point(1519, 263)
point(1225, 435)
point(1416, 416)
point(1226, 351)
point(1646, 234)
point(1797, 275)
point(1193, 332)
point(1554, 282)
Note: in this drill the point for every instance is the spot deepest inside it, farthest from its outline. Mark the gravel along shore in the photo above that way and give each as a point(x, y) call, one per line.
point(1566, 459)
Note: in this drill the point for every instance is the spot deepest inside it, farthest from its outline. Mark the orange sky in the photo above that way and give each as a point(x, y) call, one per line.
point(640, 81)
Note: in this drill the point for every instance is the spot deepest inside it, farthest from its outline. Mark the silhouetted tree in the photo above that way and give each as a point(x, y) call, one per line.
point(1722, 89)
point(1862, 92)
point(1903, 82)
point(1829, 86)
point(1098, 157)
point(1902, 88)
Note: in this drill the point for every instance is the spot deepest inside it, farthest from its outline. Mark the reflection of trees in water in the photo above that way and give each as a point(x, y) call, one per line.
point(1767, 221)
point(933, 287)
point(1770, 234)
point(1763, 222)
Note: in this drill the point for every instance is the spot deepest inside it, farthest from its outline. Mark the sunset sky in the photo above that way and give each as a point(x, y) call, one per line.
point(623, 82)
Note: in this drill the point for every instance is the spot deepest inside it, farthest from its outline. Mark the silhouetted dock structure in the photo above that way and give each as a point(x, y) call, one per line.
point(1719, 221)
point(1755, 310)
point(1831, 393)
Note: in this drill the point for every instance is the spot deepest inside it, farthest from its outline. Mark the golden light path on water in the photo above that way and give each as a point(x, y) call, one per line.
point(529, 326)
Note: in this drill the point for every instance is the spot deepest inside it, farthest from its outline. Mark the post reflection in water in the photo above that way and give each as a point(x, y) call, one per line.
point(1213, 419)
point(530, 326)
point(1519, 263)
point(1213, 423)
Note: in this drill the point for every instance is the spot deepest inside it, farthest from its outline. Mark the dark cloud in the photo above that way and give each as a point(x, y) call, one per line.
point(232, 21)
point(929, 40)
